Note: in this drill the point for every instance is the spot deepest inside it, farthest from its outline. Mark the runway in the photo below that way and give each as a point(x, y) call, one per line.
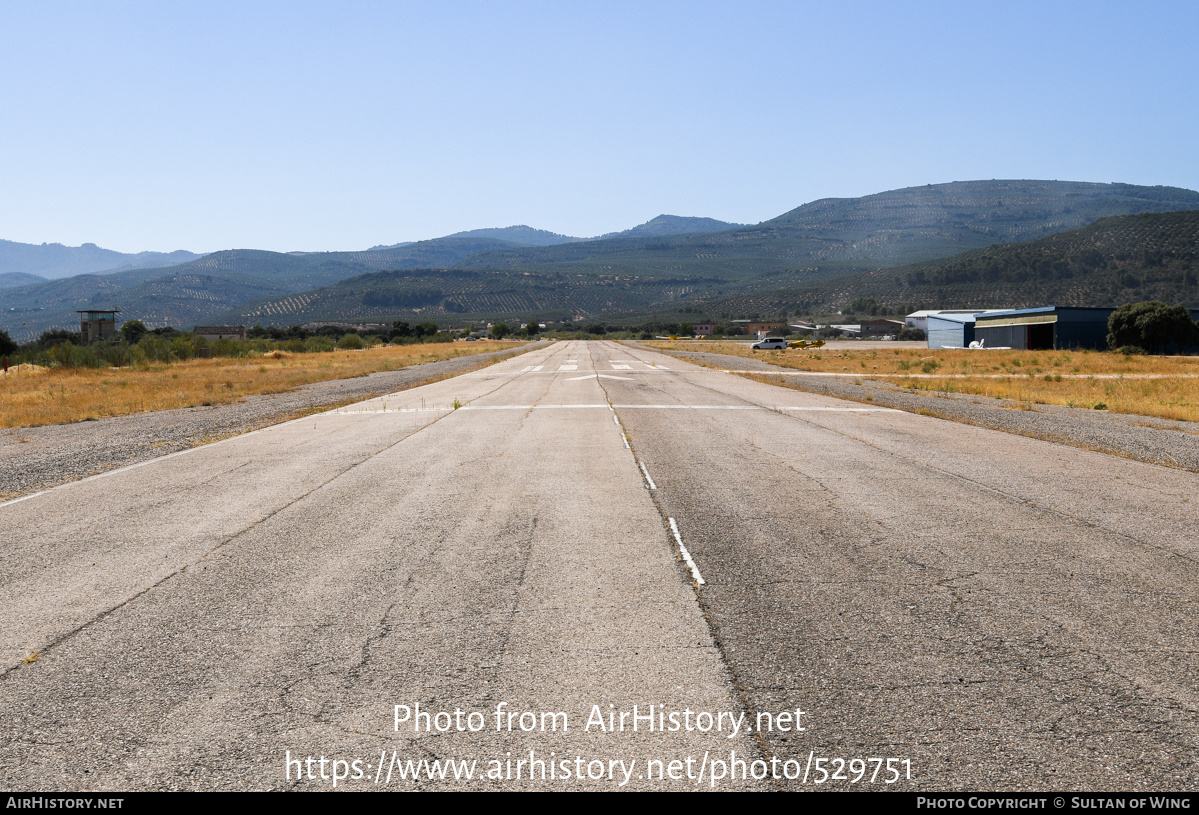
point(585, 528)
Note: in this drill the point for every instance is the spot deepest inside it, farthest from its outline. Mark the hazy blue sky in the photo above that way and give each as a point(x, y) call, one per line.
point(204, 126)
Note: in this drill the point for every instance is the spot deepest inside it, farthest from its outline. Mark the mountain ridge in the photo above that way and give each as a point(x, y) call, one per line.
point(55, 260)
point(1118, 259)
point(806, 247)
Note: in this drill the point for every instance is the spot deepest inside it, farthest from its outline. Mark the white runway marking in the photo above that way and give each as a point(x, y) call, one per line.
point(648, 480)
point(686, 555)
point(597, 376)
point(537, 368)
point(616, 367)
point(584, 406)
point(570, 366)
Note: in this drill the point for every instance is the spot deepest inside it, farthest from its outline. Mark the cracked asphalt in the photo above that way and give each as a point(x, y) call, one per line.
point(1005, 613)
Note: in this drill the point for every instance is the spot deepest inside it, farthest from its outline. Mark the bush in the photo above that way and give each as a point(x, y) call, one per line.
point(318, 344)
point(1131, 350)
point(49, 339)
point(914, 334)
point(1151, 325)
point(351, 342)
point(500, 330)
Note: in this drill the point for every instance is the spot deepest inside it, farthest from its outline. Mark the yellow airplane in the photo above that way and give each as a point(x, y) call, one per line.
point(801, 344)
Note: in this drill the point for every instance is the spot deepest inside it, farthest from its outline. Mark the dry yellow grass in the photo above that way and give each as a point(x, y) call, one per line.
point(38, 396)
point(1165, 387)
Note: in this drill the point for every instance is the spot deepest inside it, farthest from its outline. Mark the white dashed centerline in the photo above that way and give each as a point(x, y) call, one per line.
point(674, 528)
point(648, 480)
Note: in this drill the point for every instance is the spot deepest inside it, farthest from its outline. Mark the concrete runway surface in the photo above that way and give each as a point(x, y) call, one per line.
point(986, 611)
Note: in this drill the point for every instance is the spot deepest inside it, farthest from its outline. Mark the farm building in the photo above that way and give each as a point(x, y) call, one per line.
point(212, 333)
point(1045, 328)
point(880, 328)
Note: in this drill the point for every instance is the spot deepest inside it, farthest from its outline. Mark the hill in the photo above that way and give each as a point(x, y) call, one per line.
point(672, 225)
point(838, 236)
point(1153, 256)
point(529, 236)
point(464, 294)
point(524, 235)
point(10, 280)
point(171, 296)
point(820, 253)
point(53, 260)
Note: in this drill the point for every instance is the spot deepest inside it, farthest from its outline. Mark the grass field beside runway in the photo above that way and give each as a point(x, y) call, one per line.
point(32, 396)
point(1164, 387)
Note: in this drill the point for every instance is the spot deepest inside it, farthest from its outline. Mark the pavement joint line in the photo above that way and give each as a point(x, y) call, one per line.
point(674, 528)
point(328, 413)
point(346, 412)
point(1010, 496)
point(838, 374)
point(128, 467)
point(59, 640)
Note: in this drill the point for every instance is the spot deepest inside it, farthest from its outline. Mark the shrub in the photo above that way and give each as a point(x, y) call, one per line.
point(318, 344)
point(351, 342)
point(1151, 325)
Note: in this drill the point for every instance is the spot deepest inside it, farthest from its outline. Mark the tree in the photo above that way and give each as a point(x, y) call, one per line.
point(133, 330)
point(351, 341)
point(1151, 325)
point(532, 327)
point(49, 339)
point(686, 330)
point(500, 330)
point(8, 346)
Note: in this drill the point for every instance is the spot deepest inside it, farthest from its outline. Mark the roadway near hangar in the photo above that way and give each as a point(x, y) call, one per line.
point(999, 611)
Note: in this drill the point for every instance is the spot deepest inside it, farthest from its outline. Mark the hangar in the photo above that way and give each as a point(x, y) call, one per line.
point(950, 330)
point(1045, 328)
